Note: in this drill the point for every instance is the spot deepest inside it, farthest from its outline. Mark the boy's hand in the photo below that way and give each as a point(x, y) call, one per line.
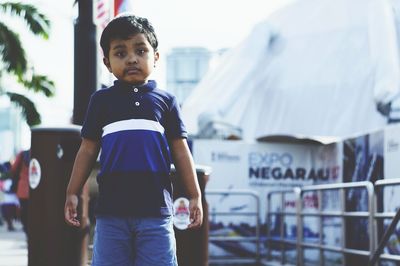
point(196, 213)
point(70, 213)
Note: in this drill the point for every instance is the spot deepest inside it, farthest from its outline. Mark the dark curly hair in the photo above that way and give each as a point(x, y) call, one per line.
point(124, 26)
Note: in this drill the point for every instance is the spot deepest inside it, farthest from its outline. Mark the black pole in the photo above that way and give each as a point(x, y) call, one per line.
point(85, 60)
point(384, 240)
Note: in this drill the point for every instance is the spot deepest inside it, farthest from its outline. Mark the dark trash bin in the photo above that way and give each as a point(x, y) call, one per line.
point(192, 244)
point(50, 240)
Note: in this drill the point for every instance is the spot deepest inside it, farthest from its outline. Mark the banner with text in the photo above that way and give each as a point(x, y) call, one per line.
point(262, 167)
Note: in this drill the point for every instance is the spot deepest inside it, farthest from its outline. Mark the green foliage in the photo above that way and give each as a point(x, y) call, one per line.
point(39, 83)
point(12, 53)
point(29, 111)
point(37, 23)
point(13, 57)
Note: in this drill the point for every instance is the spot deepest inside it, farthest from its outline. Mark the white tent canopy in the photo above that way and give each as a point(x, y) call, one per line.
point(315, 68)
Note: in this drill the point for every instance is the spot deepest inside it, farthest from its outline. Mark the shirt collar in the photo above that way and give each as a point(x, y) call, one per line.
point(150, 85)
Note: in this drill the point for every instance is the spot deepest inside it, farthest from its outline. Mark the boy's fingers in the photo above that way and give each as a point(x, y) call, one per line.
point(70, 211)
point(195, 218)
point(70, 217)
point(73, 222)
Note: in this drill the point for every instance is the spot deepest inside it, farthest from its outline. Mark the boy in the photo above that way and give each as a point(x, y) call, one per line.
point(136, 126)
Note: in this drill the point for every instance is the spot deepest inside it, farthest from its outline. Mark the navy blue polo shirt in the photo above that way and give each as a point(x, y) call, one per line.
point(134, 125)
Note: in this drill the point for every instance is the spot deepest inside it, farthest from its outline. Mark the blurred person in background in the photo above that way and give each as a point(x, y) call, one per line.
point(9, 204)
point(4, 175)
point(4, 169)
point(20, 176)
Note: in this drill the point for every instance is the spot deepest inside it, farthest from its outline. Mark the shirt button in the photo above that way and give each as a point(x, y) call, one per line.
point(137, 103)
point(135, 90)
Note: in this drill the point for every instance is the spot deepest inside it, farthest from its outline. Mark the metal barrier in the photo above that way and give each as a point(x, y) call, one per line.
point(255, 238)
point(379, 216)
point(368, 186)
point(374, 215)
point(320, 213)
point(281, 241)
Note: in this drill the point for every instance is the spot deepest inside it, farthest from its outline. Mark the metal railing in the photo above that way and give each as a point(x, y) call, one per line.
point(280, 241)
point(320, 213)
point(343, 214)
point(255, 238)
point(380, 216)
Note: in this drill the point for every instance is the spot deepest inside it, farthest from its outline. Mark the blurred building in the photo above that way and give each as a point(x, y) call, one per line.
point(10, 130)
point(186, 66)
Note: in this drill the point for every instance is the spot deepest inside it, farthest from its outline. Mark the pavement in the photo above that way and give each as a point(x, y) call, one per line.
point(13, 246)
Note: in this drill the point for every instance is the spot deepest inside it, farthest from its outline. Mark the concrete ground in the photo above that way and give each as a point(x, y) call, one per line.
point(13, 247)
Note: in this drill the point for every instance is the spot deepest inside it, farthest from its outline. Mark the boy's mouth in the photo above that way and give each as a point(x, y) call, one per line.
point(132, 71)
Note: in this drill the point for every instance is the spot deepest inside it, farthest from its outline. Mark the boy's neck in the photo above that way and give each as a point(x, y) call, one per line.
point(149, 84)
point(135, 83)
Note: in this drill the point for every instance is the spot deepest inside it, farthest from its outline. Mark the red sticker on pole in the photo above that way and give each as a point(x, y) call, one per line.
point(35, 173)
point(181, 213)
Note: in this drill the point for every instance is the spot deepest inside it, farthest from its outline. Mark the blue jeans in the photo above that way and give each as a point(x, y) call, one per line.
point(134, 242)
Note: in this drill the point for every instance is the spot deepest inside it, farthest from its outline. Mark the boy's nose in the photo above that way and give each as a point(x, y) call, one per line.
point(132, 59)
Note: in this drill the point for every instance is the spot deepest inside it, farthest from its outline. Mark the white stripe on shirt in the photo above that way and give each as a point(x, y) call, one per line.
point(133, 124)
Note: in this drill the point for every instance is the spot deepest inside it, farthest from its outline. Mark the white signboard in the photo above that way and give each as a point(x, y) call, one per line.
point(392, 152)
point(263, 168)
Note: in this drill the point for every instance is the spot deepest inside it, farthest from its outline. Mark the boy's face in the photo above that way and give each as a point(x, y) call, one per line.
point(131, 60)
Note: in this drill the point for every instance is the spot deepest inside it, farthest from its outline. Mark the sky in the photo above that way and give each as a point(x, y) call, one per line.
point(213, 24)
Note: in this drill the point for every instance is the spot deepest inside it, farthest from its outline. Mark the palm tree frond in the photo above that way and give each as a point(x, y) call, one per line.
point(39, 83)
point(37, 22)
point(11, 51)
point(28, 108)
point(13, 59)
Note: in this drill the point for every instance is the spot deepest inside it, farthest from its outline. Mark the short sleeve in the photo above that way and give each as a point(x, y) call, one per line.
point(92, 128)
point(175, 127)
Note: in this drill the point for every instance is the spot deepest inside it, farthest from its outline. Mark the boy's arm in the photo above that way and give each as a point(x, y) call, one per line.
point(185, 168)
point(84, 161)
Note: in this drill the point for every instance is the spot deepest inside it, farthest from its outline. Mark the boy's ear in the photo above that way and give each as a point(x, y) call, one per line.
point(106, 62)
point(156, 57)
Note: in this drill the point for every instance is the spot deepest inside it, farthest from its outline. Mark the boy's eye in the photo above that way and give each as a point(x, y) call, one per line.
point(140, 51)
point(120, 54)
